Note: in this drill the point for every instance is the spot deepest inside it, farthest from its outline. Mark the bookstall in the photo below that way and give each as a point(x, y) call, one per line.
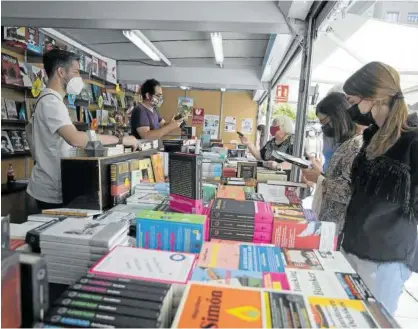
point(101, 102)
point(149, 235)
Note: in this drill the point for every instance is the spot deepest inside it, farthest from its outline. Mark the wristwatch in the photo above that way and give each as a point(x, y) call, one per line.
point(119, 134)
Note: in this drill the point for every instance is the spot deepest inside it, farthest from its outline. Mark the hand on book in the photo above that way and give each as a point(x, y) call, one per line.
point(244, 140)
point(130, 141)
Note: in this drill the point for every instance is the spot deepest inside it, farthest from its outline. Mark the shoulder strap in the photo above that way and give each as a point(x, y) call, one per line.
point(30, 127)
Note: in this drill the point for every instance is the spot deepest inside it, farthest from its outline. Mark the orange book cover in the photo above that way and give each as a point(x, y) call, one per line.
point(215, 306)
point(231, 192)
point(157, 166)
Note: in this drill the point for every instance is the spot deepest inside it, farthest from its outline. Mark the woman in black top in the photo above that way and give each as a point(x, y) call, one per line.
point(282, 129)
point(380, 232)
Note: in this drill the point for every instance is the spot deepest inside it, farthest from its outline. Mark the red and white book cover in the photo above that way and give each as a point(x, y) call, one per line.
point(304, 235)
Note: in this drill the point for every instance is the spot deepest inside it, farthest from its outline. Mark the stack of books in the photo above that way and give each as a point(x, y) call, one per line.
point(186, 194)
point(248, 221)
point(73, 245)
point(112, 302)
point(151, 265)
point(170, 231)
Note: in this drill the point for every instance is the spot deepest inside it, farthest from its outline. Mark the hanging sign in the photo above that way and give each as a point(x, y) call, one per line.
point(282, 94)
point(198, 116)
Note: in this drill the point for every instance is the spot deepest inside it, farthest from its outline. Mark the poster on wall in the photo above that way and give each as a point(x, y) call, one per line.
point(211, 126)
point(185, 106)
point(198, 116)
point(230, 124)
point(247, 126)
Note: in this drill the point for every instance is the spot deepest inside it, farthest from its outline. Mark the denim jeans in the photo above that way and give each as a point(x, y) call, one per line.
point(385, 280)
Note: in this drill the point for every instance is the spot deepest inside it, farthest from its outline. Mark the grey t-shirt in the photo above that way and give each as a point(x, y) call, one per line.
point(50, 115)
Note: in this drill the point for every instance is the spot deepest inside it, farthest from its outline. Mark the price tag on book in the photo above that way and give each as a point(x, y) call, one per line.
point(36, 87)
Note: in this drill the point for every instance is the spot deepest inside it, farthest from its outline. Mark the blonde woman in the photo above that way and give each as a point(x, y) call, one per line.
point(380, 232)
point(282, 129)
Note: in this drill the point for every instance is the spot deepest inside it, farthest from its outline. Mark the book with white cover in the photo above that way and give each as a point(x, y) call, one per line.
point(316, 283)
point(136, 177)
point(44, 218)
point(112, 216)
point(122, 240)
point(85, 232)
point(70, 254)
point(273, 193)
point(70, 261)
point(147, 198)
point(18, 231)
point(132, 208)
point(334, 261)
point(146, 264)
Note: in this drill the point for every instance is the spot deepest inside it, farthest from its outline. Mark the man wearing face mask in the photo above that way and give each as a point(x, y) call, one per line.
point(146, 122)
point(51, 132)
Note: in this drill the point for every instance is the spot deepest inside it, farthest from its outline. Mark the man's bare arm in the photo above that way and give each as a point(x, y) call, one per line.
point(79, 138)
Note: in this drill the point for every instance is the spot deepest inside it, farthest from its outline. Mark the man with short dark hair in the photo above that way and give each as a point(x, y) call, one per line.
point(51, 132)
point(146, 123)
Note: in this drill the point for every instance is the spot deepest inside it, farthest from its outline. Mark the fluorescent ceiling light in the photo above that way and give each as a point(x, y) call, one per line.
point(217, 47)
point(141, 41)
point(184, 87)
point(223, 89)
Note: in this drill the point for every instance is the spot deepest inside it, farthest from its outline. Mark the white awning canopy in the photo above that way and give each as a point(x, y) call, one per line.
point(347, 44)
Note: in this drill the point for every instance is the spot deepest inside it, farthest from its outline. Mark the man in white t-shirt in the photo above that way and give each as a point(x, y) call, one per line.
point(52, 132)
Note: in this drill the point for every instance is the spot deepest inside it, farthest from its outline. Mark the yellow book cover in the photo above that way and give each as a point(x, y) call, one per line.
point(133, 164)
point(340, 313)
point(157, 166)
point(146, 170)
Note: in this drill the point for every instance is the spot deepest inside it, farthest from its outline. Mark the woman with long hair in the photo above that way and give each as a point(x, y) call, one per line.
point(333, 190)
point(380, 232)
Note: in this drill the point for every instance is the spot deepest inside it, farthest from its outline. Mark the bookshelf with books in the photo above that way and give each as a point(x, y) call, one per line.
point(93, 190)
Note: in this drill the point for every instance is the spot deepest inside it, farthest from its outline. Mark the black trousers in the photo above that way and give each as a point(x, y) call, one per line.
point(45, 205)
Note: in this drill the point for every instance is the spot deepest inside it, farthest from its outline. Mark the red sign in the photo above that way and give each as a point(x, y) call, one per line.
point(282, 94)
point(198, 116)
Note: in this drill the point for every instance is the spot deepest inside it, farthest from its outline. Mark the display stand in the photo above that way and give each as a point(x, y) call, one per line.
point(86, 181)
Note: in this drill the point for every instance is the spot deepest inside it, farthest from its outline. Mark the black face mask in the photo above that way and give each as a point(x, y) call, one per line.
point(359, 118)
point(328, 130)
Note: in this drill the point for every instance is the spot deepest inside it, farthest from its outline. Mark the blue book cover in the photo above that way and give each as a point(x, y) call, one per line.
point(235, 278)
point(169, 236)
point(260, 259)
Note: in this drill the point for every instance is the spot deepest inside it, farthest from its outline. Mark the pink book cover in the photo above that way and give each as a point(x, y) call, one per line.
point(263, 227)
point(262, 236)
point(265, 241)
point(185, 205)
point(206, 212)
point(219, 254)
point(276, 281)
point(140, 264)
point(263, 212)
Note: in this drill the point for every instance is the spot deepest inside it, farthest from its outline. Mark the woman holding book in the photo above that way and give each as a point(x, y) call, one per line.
point(380, 232)
point(333, 189)
point(282, 129)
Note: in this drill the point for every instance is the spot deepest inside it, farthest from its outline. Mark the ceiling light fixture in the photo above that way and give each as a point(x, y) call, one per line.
point(223, 89)
point(141, 41)
point(184, 87)
point(217, 47)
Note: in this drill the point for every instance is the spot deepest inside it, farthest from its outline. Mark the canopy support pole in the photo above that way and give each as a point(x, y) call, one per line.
point(302, 109)
point(268, 114)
